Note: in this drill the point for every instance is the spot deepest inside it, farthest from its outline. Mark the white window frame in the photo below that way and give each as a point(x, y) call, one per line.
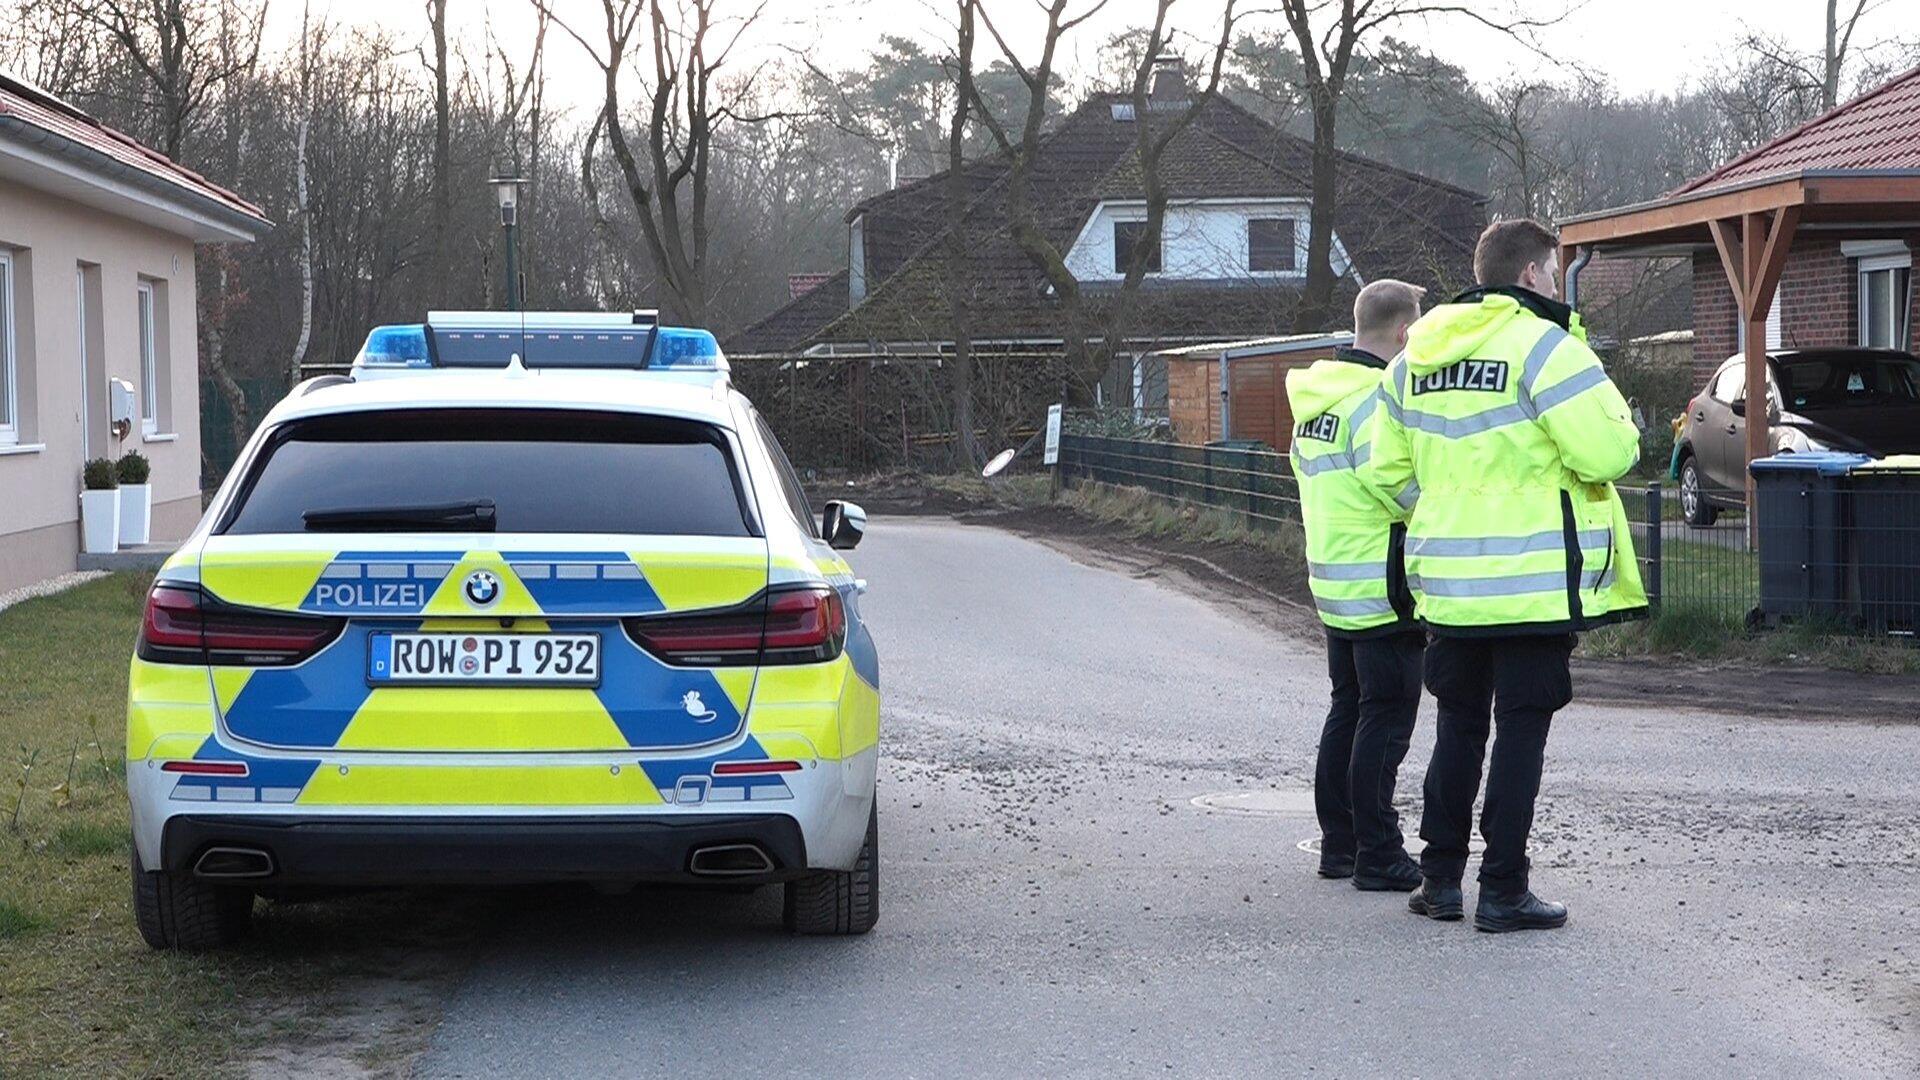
point(148, 323)
point(9, 357)
point(1870, 265)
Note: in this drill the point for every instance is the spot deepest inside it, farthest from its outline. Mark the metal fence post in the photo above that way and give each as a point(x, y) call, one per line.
point(1251, 474)
point(1653, 545)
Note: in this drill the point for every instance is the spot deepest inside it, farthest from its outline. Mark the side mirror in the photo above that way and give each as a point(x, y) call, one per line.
point(843, 524)
point(1739, 406)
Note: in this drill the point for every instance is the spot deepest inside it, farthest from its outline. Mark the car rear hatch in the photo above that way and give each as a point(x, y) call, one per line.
point(489, 581)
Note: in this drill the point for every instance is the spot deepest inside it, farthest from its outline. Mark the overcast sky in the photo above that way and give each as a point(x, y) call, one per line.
point(1642, 45)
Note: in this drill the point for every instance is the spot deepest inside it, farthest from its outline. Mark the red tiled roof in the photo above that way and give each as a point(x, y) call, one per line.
point(40, 109)
point(1877, 130)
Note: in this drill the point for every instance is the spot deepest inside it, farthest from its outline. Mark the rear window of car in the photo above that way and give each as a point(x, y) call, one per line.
point(1835, 382)
point(536, 471)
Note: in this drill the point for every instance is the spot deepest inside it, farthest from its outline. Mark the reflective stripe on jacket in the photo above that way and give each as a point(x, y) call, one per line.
point(1353, 533)
point(1512, 434)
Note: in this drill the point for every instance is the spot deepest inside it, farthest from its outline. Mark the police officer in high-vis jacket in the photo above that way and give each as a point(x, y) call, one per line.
point(1506, 423)
point(1354, 569)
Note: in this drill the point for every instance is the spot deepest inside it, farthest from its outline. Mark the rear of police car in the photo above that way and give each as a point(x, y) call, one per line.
point(512, 603)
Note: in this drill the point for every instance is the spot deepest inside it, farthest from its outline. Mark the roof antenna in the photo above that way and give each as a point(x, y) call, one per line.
point(516, 368)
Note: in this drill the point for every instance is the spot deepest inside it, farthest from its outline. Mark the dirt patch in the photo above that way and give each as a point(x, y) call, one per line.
point(1274, 591)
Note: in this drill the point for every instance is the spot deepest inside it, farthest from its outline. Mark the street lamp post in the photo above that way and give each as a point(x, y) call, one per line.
point(506, 191)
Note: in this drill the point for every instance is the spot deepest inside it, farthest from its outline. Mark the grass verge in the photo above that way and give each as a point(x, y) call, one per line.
point(1141, 513)
point(80, 993)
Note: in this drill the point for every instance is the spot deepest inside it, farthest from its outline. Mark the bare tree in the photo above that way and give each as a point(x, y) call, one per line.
point(960, 275)
point(670, 192)
point(1508, 125)
point(442, 138)
point(1839, 39)
point(1326, 55)
point(300, 190)
point(174, 45)
point(1093, 339)
point(54, 46)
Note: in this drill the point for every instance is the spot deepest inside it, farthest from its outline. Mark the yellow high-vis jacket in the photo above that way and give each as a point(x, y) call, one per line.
point(1354, 533)
point(1511, 434)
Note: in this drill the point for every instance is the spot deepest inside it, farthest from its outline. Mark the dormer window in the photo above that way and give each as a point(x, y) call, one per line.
point(856, 261)
point(1270, 245)
point(1129, 236)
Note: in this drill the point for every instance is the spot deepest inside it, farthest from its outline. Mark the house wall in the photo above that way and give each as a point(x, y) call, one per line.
point(1818, 303)
point(1204, 240)
point(51, 241)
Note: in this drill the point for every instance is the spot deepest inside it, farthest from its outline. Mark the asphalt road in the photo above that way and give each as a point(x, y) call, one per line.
point(1054, 903)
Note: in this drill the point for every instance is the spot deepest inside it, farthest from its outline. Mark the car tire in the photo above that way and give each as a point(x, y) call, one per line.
point(176, 911)
point(1693, 497)
point(839, 902)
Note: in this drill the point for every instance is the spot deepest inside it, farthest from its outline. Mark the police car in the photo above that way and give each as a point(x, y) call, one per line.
point(520, 599)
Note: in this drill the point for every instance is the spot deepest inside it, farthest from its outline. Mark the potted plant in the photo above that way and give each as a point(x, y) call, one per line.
point(99, 508)
point(136, 497)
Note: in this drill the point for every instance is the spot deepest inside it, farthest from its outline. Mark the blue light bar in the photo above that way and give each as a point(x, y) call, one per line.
point(542, 340)
point(397, 347)
point(543, 346)
point(677, 348)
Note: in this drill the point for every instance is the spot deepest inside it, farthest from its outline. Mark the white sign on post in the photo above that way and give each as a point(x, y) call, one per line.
point(1052, 454)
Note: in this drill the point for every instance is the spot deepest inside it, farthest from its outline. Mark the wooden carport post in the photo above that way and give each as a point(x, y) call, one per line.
point(1753, 258)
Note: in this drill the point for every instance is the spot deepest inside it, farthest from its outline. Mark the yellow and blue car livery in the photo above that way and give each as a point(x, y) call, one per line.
point(717, 717)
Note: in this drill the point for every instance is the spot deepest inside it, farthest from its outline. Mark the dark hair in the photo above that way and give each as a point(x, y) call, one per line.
point(1508, 247)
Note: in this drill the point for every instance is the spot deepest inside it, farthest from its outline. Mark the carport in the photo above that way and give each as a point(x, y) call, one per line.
point(1852, 175)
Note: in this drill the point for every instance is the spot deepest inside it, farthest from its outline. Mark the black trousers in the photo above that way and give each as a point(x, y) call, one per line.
point(1513, 686)
point(1376, 692)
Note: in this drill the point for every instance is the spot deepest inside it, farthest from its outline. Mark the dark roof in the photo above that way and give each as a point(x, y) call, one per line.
point(26, 104)
point(1391, 222)
point(1877, 130)
point(789, 328)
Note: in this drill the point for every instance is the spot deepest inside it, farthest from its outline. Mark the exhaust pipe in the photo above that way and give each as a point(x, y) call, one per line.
point(230, 863)
point(730, 860)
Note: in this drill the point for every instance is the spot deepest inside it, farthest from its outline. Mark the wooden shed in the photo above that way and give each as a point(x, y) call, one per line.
point(1255, 401)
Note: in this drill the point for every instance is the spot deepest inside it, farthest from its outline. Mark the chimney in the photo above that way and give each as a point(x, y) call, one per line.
point(1169, 79)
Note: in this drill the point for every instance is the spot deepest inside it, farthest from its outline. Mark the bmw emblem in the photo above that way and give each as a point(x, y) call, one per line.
point(482, 588)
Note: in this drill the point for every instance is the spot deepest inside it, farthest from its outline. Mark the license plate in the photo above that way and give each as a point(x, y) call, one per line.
point(484, 659)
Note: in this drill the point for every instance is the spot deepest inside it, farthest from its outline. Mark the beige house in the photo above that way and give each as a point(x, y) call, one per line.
point(97, 241)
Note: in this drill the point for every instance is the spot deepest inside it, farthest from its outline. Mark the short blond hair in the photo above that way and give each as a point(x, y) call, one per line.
point(1384, 305)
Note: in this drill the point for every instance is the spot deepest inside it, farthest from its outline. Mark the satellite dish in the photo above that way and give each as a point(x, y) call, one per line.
point(1000, 461)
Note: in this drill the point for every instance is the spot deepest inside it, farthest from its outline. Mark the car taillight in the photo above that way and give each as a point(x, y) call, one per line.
point(183, 626)
point(789, 626)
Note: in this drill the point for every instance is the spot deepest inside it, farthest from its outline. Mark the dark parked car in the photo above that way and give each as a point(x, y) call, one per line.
point(1865, 401)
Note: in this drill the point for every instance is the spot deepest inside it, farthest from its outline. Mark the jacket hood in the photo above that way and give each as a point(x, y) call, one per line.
point(1314, 389)
point(1454, 331)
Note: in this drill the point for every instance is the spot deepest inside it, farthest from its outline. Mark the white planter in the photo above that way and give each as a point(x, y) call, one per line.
point(136, 513)
point(99, 522)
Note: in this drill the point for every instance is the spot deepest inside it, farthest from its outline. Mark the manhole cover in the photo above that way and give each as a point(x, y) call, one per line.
point(1269, 803)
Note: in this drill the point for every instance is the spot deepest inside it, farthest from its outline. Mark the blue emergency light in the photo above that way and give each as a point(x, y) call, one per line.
point(542, 340)
point(397, 347)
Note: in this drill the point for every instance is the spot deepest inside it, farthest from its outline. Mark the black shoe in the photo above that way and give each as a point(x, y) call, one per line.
point(1402, 876)
point(1336, 867)
point(1437, 899)
point(1498, 915)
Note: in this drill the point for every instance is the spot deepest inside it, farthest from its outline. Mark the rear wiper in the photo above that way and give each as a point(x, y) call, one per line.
point(473, 515)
